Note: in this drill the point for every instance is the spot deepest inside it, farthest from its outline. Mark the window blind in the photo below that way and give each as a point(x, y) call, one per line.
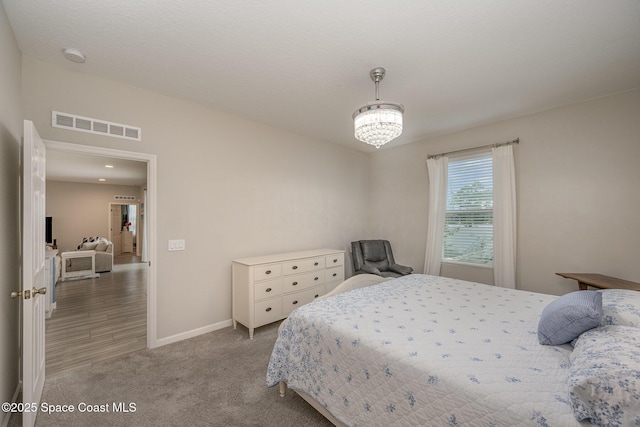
point(468, 233)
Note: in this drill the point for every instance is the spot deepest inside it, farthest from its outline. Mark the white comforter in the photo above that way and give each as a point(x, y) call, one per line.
point(426, 351)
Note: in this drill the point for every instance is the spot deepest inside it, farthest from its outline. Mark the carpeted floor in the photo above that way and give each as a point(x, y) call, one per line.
point(216, 379)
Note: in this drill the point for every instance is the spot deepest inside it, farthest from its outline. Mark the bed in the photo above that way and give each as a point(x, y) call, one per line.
point(433, 351)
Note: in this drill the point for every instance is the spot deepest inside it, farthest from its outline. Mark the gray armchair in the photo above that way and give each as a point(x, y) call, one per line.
point(376, 257)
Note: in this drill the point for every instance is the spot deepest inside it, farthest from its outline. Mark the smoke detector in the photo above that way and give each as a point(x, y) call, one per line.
point(74, 55)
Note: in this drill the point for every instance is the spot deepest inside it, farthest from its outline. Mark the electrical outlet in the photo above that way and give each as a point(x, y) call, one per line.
point(177, 245)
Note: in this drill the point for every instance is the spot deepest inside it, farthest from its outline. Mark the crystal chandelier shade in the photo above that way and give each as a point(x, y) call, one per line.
point(378, 122)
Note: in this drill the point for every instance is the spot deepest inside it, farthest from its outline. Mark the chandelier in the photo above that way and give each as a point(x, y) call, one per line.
point(378, 122)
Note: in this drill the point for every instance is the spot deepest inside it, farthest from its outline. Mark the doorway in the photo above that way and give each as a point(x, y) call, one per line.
point(125, 228)
point(149, 218)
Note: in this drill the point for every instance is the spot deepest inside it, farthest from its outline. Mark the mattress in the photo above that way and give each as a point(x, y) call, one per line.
point(428, 351)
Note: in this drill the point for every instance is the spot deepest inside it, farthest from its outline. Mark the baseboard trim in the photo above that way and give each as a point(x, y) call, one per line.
point(14, 399)
point(193, 333)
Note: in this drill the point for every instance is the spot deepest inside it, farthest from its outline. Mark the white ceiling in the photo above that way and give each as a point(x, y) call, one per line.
point(304, 66)
point(86, 168)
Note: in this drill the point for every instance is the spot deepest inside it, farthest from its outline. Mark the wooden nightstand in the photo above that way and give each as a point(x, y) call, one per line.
point(600, 281)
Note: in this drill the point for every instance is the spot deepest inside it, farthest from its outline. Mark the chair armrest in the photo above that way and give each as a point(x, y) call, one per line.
point(370, 269)
point(400, 269)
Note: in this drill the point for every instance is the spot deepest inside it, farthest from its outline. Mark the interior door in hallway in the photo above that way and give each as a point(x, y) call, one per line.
point(115, 225)
point(33, 272)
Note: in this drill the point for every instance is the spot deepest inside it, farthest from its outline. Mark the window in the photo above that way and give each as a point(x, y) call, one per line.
point(468, 229)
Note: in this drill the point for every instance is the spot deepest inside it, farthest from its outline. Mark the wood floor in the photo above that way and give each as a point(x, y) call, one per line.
point(98, 319)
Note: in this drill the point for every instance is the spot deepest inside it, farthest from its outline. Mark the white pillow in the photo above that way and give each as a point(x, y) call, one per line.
point(604, 378)
point(89, 246)
point(102, 245)
point(620, 307)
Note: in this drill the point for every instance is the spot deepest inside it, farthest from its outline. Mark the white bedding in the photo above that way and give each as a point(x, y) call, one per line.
point(426, 351)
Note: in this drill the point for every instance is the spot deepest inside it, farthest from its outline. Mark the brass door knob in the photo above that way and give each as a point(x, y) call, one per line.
point(41, 291)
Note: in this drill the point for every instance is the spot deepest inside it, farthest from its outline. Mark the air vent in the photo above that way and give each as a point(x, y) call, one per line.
point(124, 197)
point(100, 127)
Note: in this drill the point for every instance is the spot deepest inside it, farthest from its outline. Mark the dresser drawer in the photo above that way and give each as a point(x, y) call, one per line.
point(268, 289)
point(303, 265)
point(303, 281)
point(263, 272)
point(268, 311)
point(334, 260)
point(335, 273)
point(292, 301)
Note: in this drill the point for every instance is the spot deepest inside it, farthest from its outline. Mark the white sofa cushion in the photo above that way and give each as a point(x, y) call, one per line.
point(102, 245)
point(98, 244)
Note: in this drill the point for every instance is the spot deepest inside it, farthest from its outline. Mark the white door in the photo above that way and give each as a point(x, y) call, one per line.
point(33, 271)
point(115, 228)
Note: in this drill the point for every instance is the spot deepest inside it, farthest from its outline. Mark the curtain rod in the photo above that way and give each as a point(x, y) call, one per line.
point(515, 141)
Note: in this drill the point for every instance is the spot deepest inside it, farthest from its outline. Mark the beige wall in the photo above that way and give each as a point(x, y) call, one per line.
point(81, 210)
point(577, 173)
point(230, 187)
point(10, 153)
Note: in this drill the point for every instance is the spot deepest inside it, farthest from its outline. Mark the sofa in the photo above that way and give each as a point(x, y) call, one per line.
point(104, 252)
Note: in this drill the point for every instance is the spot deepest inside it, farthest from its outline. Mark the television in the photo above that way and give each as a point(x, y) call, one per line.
point(48, 233)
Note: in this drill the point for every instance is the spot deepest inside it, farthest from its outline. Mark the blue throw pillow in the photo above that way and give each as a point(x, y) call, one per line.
point(570, 315)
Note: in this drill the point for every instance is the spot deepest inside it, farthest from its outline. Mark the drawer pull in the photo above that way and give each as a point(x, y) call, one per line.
point(295, 302)
point(315, 263)
point(295, 267)
point(316, 296)
point(268, 309)
point(267, 272)
point(335, 260)
point(315, 278)
point(268, 289)
point(294, 283)
point(335, 274)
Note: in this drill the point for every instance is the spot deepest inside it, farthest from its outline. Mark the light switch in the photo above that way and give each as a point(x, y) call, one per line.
point(177, 245)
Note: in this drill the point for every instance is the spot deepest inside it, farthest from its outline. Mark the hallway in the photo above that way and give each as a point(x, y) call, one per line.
point(98, 319)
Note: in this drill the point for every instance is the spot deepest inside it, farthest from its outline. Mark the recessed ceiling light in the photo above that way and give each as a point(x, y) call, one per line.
point(108, 166)
point(74, 55)
point(101, 179)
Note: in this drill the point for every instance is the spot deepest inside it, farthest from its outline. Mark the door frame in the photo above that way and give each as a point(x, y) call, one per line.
point(150, 217)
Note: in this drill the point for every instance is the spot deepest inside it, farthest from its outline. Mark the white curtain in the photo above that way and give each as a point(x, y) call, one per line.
point(437, 209)
point(504, 217)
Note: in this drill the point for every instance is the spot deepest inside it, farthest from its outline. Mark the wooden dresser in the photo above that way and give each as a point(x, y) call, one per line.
point(268, 288)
